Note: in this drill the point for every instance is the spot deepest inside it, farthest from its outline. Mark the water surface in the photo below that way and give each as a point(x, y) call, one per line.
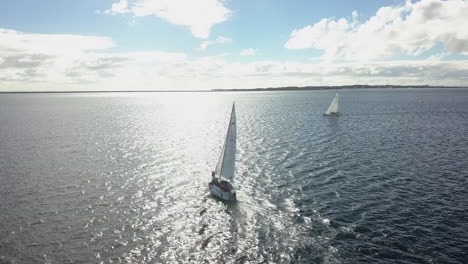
point(122, 177)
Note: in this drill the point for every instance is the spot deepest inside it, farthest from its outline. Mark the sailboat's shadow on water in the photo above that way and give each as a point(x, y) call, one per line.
point(232, 206)
point(333, 121)
point(233, 211)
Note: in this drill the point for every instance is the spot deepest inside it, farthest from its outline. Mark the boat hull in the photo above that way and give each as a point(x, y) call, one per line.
point(331, 114)
point(221, 194)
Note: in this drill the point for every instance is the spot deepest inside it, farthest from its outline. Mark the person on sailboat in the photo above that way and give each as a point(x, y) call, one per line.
point(214, 180)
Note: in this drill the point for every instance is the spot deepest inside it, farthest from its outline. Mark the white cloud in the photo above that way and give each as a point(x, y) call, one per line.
point(52, 58)
point(120, 7)
point(410, 29)
point(439, 56)
point(247, 52)
point(27, 64)
point(218, 40)
point(199, 15)
point(51, 44)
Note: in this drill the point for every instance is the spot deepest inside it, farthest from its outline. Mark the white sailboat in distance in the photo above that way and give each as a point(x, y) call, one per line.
point(333, 108)
point(220, 185)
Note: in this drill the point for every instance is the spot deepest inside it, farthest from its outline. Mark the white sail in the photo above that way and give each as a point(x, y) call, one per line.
point(333, 108)
point(225, 167)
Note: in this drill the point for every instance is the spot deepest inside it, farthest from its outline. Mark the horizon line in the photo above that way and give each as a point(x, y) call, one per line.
point(266, 89)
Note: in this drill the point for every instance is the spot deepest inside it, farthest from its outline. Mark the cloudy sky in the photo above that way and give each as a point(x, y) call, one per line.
point(216, 44)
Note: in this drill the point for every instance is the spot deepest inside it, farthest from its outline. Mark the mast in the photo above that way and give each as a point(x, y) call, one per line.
point(336, 99)
point(333, 108)
point(225, 166)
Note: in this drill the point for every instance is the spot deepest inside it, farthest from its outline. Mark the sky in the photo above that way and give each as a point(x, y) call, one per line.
point(56, 45)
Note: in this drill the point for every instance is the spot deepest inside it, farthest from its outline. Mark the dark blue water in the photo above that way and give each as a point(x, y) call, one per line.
point(112, 178)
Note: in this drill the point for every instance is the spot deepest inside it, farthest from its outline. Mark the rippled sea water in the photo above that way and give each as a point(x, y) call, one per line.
point(122, 177)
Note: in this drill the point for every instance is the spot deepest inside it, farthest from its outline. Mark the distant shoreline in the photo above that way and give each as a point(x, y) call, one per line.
point(268, 89)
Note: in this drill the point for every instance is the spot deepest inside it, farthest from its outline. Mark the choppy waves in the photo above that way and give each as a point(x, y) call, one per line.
point(123, 178)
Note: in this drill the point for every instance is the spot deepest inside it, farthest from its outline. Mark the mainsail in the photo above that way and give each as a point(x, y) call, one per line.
point(333, 108)
point(225, 167)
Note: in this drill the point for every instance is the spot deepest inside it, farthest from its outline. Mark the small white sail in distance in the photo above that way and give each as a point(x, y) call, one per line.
point(333, 108)
point(226, 162)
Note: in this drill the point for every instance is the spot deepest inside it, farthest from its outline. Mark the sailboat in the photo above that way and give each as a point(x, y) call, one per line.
point(220, 185)
point(333, 108)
